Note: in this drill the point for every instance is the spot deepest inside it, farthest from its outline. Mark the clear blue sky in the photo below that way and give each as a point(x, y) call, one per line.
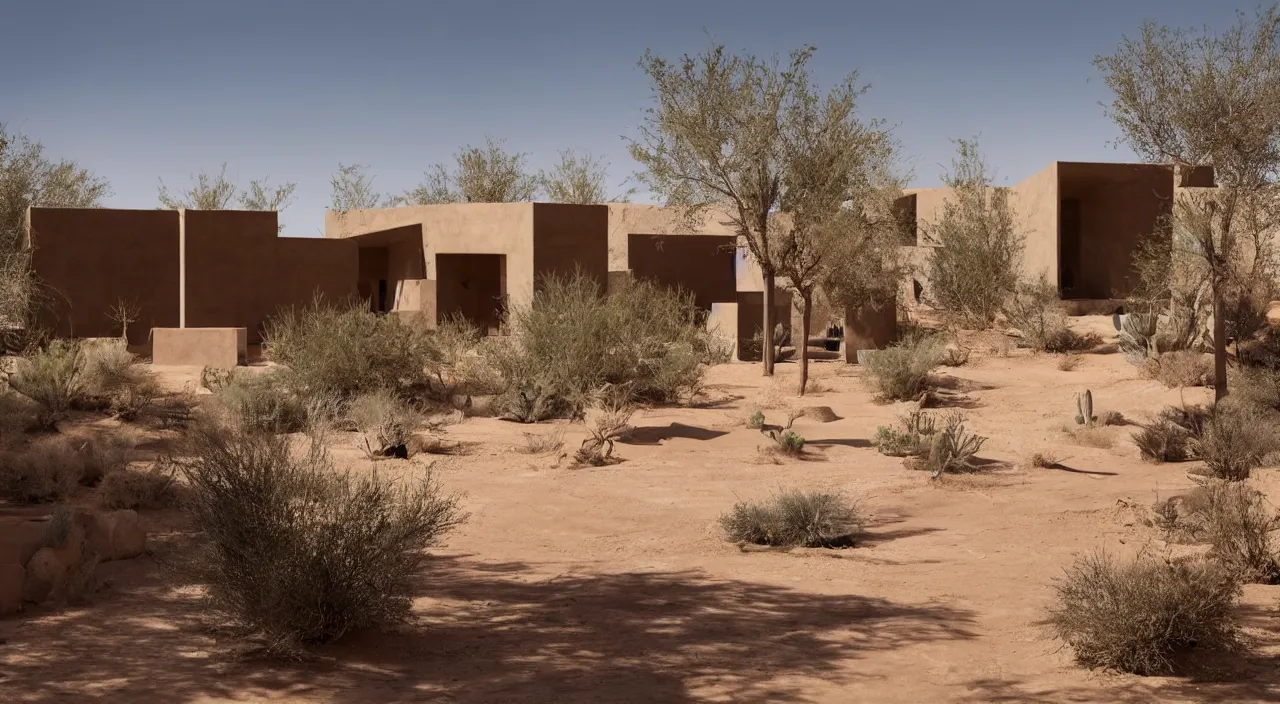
point(145, 89)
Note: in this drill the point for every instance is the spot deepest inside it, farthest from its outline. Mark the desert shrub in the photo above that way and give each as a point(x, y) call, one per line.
point(215, 379)
point(1162, 440)
point(1256, 387)
point(17, 414)
point(461, 365)
point(383, 421)
point(53, 377)
point(1137, 616)
point(1181, 369)
point(1234, 440)
point(791, 443)
point(902, 371)
point(134, 489)
point(1091, 435)
point(953, 448)
point(345, 350)
point(51, 468)
point(610, 423)
point(1044, 460)
point(914, 439)
point(542, 443)
point(794, 518)
point(975, 270)
point(114, 380)
point(1240, 526)
point(955, 357)
point(1034, 311)
point(1065, 340)
point(756, 420)
point(265, 402)
point(1137, 338)
point(572, 340)
point(1068, 362)
point(297, 553)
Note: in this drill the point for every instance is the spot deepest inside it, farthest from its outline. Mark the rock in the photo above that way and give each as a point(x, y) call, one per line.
point(45, 574)
point(128, 539)
point(97, 531)
point(12, 583)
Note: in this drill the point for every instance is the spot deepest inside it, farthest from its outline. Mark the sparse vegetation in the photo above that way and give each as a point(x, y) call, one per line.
point(265, 403)
point(1138, 616)
point(53, 377)
point(1180, 369)
point(614, 415)
point(914, 440)
point(1234, 440)
point(646, 339)
point(115, 380)
point(50, 469)
point(384, 423)
point(795, 518)
point(756, 420)
point(952, 449)
point(1044, 460)
point(298, 554)
point(543, 443)
point(901, 372)
point(154, 488)
point(1241, 527)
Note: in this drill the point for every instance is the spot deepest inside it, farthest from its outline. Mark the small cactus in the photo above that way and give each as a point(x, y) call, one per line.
point(1084, 408)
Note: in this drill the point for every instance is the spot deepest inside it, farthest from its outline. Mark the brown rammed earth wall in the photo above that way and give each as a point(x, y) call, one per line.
point(568, 237)
point(88, 259)
point(698, 264)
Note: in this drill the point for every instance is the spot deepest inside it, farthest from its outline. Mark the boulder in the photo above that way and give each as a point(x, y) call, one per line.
point(12, 583)
point(45, 574)
point(128, 539)
point(97, 531)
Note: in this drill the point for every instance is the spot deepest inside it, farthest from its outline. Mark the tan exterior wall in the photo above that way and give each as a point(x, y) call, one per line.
point(568, 238)
point(1035, 206)
point(222, 348)
point(91, 258)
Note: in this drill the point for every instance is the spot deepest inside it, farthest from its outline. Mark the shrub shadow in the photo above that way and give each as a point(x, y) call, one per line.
point(654, 435)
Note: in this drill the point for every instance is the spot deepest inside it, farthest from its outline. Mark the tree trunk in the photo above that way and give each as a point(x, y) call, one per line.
point(802, 347)
point(766, 352)
point(1219, 347)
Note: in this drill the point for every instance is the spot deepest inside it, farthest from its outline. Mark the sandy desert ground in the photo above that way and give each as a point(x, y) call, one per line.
point(614, 584)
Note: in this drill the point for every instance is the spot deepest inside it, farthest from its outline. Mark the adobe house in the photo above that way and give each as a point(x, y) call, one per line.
point(1082, 222)
point(182, 269)
point(474, 258)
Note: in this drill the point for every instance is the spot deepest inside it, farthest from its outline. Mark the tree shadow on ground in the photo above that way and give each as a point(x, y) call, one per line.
point(655, 435)
point(487, 632)
point(846, 442)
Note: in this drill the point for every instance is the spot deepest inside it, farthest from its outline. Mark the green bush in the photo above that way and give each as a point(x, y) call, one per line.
point(342, 351)
point(902, 371)
point(572, 340)
point(795, 518)
point(297, 553)
point(1137, 616)
point(913, 440)
point(53, 377)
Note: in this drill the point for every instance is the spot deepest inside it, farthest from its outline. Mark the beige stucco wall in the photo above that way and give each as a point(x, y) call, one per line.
point(1035, 206)
point(462, 228)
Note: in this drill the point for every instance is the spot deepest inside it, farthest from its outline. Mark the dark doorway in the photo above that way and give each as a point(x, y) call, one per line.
point(473, 286)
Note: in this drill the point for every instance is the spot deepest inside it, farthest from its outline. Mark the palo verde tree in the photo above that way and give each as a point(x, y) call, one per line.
point(579, 178)
point(974, 271)
point(1200, 99)
point(216, 192)
point(837, 193)
point(488, 174)
point(718, 137)
point(352, 189)
point(30, 178)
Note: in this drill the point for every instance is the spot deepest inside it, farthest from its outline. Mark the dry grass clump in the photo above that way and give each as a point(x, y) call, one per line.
point(384, 422)
point(17, 415)
point(952, 449)
point(342, 351)
point(1034, 310)
point(1138, 616)
point(572, 340)
point(611, 423)
point(902, 372)
point(1043, 460)
point(139, 490)
point(1091, 435)
point(296, 553)
point(1069, 361)
point(755, 421)
point(795, 518)
point(265, 402)
point(542, 443)
point(50, 469)
point(115, 381)
point(1181, 368)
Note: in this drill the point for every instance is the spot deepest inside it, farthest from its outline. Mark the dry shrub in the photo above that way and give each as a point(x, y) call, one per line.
point(53, 377)
point(17, 415)
point(1066, 340)
point(901, 372)
point(1091, 435)
point(1111, 418)
point(1043, 460)
point(154, 488)
point(461, 365)
point(265, 402)
point(755, 421)
point(1140, 615)
point(1181, 369)
point(298, 554)
point(342, 351)
point(952, 449)
point(542, 443)
point(1240, 525)
point(1068, 362)
point(955, 357)
point(116, 381)
point(1162, 441)
point(50, 469)
point(384, 423)
point(1234, 441)
point(573, 340)
point(795, 518)
point(612, 421)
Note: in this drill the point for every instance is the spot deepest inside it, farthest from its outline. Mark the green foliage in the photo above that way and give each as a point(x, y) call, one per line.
point(913, 440)
point(974, 270)
point(795, 518)
point(488, 174)
point(297, 553)
point(791, 443)
point(342, 351)
point(1138, 616)
point(953, 448)
point(54, 378)
point(571, 341)
point(902, 371)
point(756, 420)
